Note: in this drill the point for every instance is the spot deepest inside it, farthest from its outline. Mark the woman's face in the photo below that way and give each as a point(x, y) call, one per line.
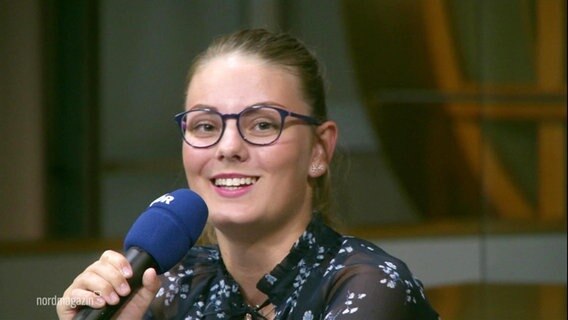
point(272, 186)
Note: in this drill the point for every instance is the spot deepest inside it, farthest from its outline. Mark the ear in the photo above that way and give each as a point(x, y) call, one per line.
point(323, 149)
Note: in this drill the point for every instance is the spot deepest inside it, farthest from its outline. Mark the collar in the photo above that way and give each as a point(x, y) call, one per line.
point(313, 249)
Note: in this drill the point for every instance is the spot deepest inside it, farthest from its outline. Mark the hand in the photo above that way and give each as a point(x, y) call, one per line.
point(102, 283)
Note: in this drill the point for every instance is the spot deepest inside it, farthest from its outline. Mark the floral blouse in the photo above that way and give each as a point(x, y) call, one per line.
point(325, 276)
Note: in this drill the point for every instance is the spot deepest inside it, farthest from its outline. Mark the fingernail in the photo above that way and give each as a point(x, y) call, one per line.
point(99, 301)
point(114, 298)
point(126, 272)
point(124, 289)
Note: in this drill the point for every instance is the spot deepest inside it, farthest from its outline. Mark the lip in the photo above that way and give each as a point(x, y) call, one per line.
point(229, 192)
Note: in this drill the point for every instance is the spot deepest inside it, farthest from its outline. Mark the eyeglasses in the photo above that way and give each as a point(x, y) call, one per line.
point(258, 125)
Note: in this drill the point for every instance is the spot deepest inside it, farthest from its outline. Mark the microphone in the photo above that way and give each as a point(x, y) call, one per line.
point(159, 239)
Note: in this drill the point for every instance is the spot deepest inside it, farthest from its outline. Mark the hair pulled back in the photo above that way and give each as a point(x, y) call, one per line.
point(286, 51)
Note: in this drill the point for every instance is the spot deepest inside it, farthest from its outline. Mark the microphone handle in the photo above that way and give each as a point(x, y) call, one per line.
point(139, 261)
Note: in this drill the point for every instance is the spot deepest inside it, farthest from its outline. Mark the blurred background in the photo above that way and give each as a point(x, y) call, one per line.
point(452, 117)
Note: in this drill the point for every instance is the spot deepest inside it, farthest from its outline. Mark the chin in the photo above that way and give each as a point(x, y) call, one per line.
point(228, 218)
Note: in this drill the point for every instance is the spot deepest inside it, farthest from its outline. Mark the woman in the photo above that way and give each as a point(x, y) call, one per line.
point(257, 147)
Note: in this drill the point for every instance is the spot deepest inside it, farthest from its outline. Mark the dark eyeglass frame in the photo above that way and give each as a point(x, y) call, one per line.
point(237, 116)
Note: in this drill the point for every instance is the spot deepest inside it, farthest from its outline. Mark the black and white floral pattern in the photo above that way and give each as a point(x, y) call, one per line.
point(325, 276)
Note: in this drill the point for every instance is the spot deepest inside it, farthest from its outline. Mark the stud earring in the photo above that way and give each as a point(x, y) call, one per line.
point(317, 168)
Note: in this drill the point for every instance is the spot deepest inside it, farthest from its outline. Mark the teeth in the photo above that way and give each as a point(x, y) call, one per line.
point(235, 182)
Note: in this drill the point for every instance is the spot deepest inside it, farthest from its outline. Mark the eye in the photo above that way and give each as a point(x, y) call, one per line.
point(202, 123)
point(261, 126)
point(264, 125)
point(260, 122)
point(203, 127)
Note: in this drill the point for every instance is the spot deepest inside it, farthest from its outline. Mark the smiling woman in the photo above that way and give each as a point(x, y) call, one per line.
point(257, 146)
point(239, 81)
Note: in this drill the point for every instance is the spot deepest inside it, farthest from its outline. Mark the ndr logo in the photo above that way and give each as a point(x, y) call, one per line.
point(167, 198)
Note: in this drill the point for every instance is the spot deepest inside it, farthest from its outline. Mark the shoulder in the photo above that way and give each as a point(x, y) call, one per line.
point(361, 263)
point(355, 251)
point(367, 282)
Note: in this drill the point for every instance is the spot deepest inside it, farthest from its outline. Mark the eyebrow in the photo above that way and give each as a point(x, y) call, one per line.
point(200, 106)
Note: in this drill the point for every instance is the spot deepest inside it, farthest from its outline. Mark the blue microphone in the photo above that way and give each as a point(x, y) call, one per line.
point(159, 239)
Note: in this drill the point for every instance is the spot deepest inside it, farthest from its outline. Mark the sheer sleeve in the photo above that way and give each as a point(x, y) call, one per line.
point(384, 292)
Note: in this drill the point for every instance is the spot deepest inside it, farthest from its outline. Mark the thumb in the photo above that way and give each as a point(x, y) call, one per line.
point(141, 300)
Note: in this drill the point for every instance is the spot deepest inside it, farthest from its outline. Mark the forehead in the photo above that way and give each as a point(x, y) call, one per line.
point(233, 80)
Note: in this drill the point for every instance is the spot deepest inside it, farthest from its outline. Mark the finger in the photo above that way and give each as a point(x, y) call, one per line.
point(81, 297)
point(100, 283)
point(67, 305)
point(150, 285)
point(111, 274)
point(143, 297)
point(94, 282)
point(150, 280)
point(118, 261)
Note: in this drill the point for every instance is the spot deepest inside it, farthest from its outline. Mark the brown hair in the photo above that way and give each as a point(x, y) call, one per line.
point(280, 49)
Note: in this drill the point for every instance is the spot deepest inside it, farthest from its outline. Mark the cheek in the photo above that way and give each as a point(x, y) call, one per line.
point(193, 162)
point(292, 162)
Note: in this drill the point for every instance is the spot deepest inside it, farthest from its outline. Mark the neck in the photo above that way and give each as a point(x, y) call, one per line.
point(248, 258)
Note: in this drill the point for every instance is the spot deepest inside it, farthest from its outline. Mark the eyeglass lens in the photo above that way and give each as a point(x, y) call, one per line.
point(203, 128)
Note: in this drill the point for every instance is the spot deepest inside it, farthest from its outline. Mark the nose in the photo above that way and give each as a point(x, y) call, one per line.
point(231, 146)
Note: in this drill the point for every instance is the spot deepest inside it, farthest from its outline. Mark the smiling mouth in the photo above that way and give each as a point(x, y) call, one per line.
point(234, 183)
